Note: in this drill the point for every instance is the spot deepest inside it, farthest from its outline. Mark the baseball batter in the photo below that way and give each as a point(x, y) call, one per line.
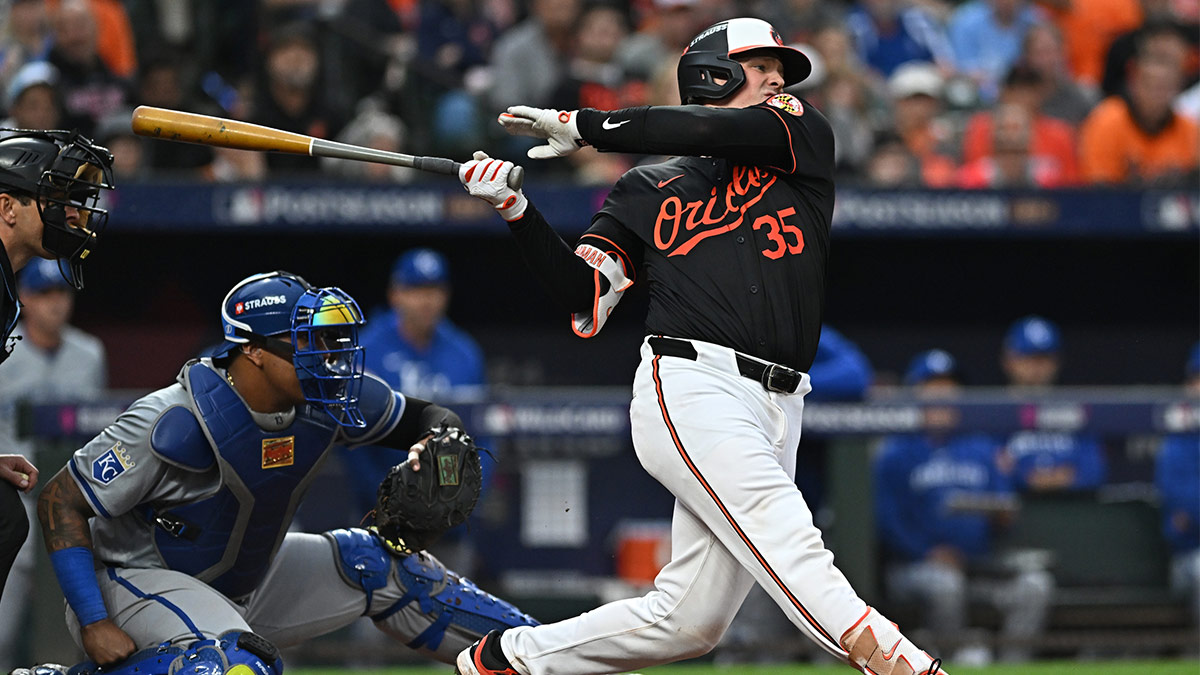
point(732, 240)
point(190, 492)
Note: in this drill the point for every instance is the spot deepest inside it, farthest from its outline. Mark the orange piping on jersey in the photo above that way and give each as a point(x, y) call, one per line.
point(791, 147)
point(662, 404)
point(595, 310)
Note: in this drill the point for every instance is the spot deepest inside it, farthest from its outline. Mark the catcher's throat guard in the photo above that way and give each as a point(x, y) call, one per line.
point(415, 508)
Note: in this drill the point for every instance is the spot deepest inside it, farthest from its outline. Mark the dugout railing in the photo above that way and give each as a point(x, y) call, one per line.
point(569, 513)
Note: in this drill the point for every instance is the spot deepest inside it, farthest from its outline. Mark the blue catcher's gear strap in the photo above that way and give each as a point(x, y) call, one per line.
point(364, 560)
point(76, 574)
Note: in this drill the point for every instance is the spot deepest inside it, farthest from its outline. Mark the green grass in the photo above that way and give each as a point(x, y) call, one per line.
point(1042, 668)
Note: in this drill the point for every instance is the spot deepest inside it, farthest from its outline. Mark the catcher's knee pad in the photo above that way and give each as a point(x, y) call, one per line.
point(365, 561)
point(453, 603)
point(235, 652)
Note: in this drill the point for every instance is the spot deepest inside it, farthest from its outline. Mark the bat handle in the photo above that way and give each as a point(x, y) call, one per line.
point(449, 167)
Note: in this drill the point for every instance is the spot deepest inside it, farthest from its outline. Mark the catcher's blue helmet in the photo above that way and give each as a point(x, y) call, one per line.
point(321, 327)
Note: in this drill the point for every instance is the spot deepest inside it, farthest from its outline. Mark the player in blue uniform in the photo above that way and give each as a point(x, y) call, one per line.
point(934, 494)
point(168, 532)
point(1046, 460)
point(1177, 477)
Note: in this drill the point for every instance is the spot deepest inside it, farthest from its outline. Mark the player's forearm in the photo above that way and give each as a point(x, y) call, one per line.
point(564, 275)
point(419, 417)
point(743, 135)
point(64, 513)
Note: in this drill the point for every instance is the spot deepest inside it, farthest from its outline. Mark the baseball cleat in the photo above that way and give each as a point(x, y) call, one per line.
point(876, 647)
point(484, 658)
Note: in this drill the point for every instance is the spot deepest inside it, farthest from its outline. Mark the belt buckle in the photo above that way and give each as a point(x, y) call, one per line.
point(779, 379)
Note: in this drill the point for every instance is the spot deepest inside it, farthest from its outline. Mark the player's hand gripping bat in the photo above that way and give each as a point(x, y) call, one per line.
point(176, 125)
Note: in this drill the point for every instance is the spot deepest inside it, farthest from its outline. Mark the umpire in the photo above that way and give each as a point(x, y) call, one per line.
point(732, 240)
point(50, 184)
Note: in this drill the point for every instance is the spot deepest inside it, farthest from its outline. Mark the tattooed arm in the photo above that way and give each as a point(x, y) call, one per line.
point(64, 514)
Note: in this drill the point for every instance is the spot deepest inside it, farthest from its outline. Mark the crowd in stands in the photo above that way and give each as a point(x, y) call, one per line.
point(921, 93)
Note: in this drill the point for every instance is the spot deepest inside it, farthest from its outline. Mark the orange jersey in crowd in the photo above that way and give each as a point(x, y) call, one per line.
point(1052, 139)
point(1089, 27)
point(1114, 149)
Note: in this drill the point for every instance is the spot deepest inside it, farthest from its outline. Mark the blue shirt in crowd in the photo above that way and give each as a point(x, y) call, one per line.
point(914, 37)
point(984, 47)
point(1033, 451)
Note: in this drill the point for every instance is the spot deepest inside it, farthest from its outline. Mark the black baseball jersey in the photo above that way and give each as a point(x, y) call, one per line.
point(732, 246)
point(10, 307)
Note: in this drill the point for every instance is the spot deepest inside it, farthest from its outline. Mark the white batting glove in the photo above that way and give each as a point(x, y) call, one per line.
point(558, 128)
point(487, 179)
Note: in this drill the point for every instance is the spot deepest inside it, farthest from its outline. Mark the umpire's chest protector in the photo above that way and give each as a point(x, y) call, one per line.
point(228, 538)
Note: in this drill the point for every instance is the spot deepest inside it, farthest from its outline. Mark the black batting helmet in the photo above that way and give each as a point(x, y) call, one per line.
point(708, 56)
point(60, 169)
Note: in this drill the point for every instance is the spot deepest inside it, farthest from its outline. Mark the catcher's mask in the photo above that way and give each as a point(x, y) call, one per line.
point(709, 57)
point(61, 170)
point(315, 328)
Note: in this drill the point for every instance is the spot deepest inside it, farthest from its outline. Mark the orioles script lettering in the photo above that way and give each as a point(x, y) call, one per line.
point(719, 214)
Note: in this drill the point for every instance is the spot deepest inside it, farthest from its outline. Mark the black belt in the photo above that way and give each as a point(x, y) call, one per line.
point(772, 376)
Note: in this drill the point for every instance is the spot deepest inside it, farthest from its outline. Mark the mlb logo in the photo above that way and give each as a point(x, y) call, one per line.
point(238, 308)
point(108, 466)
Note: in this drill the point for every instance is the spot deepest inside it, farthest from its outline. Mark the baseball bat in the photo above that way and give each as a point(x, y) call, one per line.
point(176, 125)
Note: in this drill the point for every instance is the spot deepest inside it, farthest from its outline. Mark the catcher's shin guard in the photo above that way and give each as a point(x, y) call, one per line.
point(876, 647)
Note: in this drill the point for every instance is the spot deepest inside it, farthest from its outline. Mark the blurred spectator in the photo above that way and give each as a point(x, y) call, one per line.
point(1011, 161)
point(291, 96)
point(529, 59)
point(889, 34)
point(661, 37)
point(1089, 27)
point(161, 83)
point(1045, 460)
point(55, 361)
point(986, 36)
point(89, 89)
point(916, 92)
point(32, 98)
point(940, 500)
point(1177, 477)
point(25, 36)
point(114, 43)
point(1051, 147)
point(372, 127)
point(418, 351)
point(595, 79)
point(799, 20)
point(1045, 53)
point(1138, 138)
point(1160, 38)
point(129, 150)
point(854, 108)
point(891, 164)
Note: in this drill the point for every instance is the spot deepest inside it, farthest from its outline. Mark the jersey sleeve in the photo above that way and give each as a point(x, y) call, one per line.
point(381, 407)
point(116, 470)
point(784, 132)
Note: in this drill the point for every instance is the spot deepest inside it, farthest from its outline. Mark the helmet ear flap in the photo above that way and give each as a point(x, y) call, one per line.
point(699, 73)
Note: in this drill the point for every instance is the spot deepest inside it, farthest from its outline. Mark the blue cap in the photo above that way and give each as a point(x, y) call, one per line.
point(42, 275)
point(930, 364)
point(421, 267)
point(1032, 335)
point(1193, 362)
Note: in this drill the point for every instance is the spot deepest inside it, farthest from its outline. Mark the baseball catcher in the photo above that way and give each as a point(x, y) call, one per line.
point(415, 507)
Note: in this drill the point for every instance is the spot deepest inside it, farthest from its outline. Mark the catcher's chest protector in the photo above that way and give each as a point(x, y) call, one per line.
point(228, 539)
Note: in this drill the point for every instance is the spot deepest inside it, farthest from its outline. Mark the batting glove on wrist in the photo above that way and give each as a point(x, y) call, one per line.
point(558, 128)
point(487, 179)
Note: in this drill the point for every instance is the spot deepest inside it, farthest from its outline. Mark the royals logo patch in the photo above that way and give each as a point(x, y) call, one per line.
point(787, 103)
point(108, 466)
point(277, 452)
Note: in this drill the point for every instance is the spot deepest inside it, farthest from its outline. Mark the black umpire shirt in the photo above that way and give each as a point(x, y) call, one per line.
point(9, 306)
point(731, 241)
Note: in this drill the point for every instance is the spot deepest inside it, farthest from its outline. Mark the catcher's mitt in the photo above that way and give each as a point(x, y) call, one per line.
point(414, 508)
